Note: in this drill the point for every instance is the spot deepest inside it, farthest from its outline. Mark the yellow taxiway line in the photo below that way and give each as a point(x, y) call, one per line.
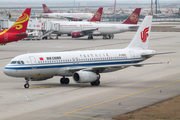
point(70, 113)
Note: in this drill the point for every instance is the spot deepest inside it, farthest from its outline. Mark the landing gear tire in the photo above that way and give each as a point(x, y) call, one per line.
point(26, 85)
point(64, 80)
point(95, 83)
point(90, 37)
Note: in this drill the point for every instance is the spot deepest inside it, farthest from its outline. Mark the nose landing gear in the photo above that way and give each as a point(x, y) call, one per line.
point(27, 83)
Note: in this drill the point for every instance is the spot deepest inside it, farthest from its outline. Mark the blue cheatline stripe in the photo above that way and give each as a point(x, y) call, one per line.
point(22, 67)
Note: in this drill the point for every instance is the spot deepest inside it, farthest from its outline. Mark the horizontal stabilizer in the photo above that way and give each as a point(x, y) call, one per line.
point(21, 34)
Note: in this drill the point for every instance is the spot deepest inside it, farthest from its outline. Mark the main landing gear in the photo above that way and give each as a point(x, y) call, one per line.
point(90, 37)
point(97, 82)
point(27, 83)
point(64, 80)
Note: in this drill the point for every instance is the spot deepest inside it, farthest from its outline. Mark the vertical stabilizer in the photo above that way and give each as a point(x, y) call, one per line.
point(97, 15)
point(21, 23)
point(46, 9)
point(134, 17)
point(141, 38)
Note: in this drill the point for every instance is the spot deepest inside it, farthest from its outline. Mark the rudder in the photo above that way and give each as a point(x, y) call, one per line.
point(46, 9)
point(21, 23)
point(134, 17)
point(97, 15)
point(141, 38)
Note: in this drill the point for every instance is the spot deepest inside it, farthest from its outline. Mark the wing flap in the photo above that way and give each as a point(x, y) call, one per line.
point(120, 66)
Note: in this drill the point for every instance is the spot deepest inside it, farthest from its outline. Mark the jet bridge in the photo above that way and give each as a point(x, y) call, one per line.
point(44, 28)
point(39, 28)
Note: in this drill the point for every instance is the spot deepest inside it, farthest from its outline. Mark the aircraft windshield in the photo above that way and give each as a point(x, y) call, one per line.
point(17, 62)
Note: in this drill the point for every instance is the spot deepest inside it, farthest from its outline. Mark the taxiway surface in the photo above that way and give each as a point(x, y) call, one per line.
point(119, 92)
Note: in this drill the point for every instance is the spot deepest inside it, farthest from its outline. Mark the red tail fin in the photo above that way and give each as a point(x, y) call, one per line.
point(134, 17)
point(46, 9)
point(97, 15)
point(21, 23)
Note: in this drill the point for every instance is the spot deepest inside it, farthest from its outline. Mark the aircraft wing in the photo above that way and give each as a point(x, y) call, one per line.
point(86, 31)
point(120, 66)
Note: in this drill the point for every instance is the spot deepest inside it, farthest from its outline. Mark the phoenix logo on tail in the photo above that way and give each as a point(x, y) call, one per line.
point(144, 34)
point(18, 30)
point(97, 15)
point(133, 18)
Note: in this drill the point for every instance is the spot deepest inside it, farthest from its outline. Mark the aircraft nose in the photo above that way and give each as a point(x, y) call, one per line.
point(7, 72)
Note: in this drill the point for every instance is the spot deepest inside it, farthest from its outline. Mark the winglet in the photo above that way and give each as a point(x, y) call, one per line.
point(46, 9)
point(97, 15)
point(21, 23)
point(134, 17)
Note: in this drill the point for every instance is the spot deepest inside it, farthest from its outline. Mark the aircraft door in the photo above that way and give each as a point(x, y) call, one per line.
point(75, 60)
point(132, 56)
point(33, 62)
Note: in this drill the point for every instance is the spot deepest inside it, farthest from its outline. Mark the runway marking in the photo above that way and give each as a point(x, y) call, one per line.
point(69, 113)
point(86, 117)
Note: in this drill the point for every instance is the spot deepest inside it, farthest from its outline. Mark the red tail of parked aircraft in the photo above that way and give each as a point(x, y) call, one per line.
point(18, 30)
point(97, 15)
point(46, 9)
point(134, 17)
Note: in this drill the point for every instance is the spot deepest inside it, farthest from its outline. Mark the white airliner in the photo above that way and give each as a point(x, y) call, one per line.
point(70, 16)
point(80, 29)
point(84, 66)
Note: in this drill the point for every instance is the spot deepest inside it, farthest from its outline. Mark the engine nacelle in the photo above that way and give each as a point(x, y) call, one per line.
point(76, 19)
point(39, 78)
point(77, 34)
point(85, 76)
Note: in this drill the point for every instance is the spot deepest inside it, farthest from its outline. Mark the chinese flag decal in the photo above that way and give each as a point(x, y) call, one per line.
point(144, 34)
point(41, 58)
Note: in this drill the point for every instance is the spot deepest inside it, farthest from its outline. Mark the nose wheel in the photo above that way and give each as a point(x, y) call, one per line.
point(27, 83)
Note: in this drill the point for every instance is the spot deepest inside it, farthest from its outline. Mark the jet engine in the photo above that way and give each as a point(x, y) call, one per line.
point(77, 34)
point(76, 19)
point(85, 76)
point(38, 78)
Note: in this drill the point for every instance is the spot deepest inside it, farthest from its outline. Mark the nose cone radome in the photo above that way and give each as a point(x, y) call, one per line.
point(8, 72)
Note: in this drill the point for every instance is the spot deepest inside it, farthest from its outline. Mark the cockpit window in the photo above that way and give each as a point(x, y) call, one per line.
point(13, 62)
point(17, 62)
point(22, 62)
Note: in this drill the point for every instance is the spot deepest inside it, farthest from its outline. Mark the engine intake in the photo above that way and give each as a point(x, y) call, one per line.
point(85, 76)
point(77, 34)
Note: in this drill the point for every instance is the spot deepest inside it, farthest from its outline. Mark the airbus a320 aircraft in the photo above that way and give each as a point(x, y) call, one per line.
point(70, 16)
point(80, 29)
point(17, 31)
point(84, 66)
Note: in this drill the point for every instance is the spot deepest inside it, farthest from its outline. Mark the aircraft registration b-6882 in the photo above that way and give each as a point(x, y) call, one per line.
point(84, 66)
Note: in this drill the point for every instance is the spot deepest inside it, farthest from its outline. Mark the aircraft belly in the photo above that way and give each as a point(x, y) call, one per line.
point(63, 72)
point(108, 30)
point(36, 72)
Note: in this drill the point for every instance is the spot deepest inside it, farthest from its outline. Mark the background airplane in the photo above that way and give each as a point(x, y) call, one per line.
point(17, 31)
point(84, 66)
point(70, 16)
point(80, 29)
